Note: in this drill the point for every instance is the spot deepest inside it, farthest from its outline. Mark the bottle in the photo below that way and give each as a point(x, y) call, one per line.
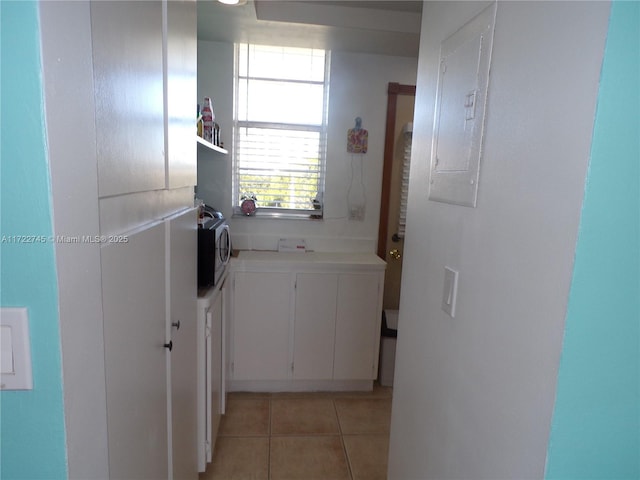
point(199, 122)
point(216, 134)
point(207, 120)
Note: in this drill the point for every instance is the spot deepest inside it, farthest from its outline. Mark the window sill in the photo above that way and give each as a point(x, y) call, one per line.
point(278, 216)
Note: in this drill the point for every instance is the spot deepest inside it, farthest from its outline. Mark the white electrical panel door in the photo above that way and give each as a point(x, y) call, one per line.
point(463, 81)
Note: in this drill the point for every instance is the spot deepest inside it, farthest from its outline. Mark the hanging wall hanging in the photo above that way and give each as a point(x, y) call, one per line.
point(357, 138)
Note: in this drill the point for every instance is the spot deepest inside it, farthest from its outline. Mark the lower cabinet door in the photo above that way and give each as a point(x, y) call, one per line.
point(216, 371)
point(133, 289)
point(356, 335)
point(182, 332)
point(262, 309)
point(314, 326)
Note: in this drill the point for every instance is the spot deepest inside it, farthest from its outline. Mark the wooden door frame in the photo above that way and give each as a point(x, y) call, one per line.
point(393, 90)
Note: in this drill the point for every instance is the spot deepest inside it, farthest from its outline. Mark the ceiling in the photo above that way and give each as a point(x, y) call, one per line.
point(366, 26)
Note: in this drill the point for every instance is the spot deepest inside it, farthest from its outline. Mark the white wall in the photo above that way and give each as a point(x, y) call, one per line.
point(473, 395)
point(358, 88)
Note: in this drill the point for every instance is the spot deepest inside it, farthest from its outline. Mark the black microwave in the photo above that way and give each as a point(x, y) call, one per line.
point(214, 251)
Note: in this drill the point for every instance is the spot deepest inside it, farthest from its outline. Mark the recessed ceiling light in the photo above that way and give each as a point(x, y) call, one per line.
point(233, 2)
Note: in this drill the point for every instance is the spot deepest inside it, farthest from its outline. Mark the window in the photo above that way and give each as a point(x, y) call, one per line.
point(280, 129)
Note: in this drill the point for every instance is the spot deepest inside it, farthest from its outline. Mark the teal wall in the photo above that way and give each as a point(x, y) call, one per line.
point(596, 425)
point(32, 430)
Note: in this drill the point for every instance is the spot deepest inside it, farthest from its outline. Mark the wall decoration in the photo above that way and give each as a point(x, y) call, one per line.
point(357, 138)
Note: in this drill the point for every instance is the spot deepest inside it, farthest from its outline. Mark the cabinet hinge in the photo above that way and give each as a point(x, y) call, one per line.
point(207, 447)
point(292, 366)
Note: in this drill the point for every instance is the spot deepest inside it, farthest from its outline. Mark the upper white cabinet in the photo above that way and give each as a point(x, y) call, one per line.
point(127, 42)
point(181, 71)
point(306, 321)
point(146, 87)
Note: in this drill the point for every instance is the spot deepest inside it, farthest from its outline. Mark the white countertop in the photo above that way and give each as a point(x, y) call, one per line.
point(255, 258)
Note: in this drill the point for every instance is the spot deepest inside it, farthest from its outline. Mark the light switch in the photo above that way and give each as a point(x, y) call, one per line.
point(450, 291)
point(15, 353)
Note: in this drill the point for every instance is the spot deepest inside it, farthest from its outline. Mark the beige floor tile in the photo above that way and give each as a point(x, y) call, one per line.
point(279, 395)
point(300, 416)
point(378, 391)
point(245, 417)
point(233, 395)
point(364, 415)
point(367, 455)
point(308, 458)
point(239, 458)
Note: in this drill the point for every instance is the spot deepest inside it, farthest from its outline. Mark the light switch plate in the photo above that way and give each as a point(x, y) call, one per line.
point(450, 291)
point(15, 358)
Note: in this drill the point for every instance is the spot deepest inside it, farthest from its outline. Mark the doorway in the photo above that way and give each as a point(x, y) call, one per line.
point(400, 106)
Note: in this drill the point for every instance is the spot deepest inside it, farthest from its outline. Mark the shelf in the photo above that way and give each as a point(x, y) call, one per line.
point(211, 146)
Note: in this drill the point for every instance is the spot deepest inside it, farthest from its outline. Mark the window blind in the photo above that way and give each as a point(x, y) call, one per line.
point(404, 187)
point(280, 128)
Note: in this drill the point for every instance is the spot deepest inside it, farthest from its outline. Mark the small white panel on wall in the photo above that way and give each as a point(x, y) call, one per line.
point(463, 81)
point(15, 350)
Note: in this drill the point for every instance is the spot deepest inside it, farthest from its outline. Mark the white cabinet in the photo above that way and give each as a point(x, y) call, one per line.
point(181, 331)
point(181, 72)
point(127, 61)
point(146, 89)
point(104, 65)
point(134, 306)
point(306, 321)
point(148, 286)
point(210, 377)
point(262, 308)
point(358, 304)
point(215, 390)
point(314, 325)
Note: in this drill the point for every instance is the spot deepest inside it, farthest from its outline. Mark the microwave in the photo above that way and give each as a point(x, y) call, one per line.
point(214, 251)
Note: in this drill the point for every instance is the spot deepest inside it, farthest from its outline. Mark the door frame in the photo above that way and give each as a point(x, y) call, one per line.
point(393, 90)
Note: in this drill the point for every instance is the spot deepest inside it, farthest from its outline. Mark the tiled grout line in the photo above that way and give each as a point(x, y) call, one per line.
point(344, 447)
point(269, 439)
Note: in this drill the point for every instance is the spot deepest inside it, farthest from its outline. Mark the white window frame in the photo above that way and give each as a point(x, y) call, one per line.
point(315, 212)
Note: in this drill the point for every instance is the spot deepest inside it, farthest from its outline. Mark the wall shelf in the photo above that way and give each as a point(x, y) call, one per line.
point(211, 146)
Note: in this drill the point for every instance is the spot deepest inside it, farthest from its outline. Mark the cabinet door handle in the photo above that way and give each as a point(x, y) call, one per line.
point(169, 345)
point(176, 324)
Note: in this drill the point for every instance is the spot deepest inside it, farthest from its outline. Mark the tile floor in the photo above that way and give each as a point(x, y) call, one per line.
point(303, 436)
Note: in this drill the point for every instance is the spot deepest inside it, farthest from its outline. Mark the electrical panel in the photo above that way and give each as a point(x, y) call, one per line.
point(463, 81)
